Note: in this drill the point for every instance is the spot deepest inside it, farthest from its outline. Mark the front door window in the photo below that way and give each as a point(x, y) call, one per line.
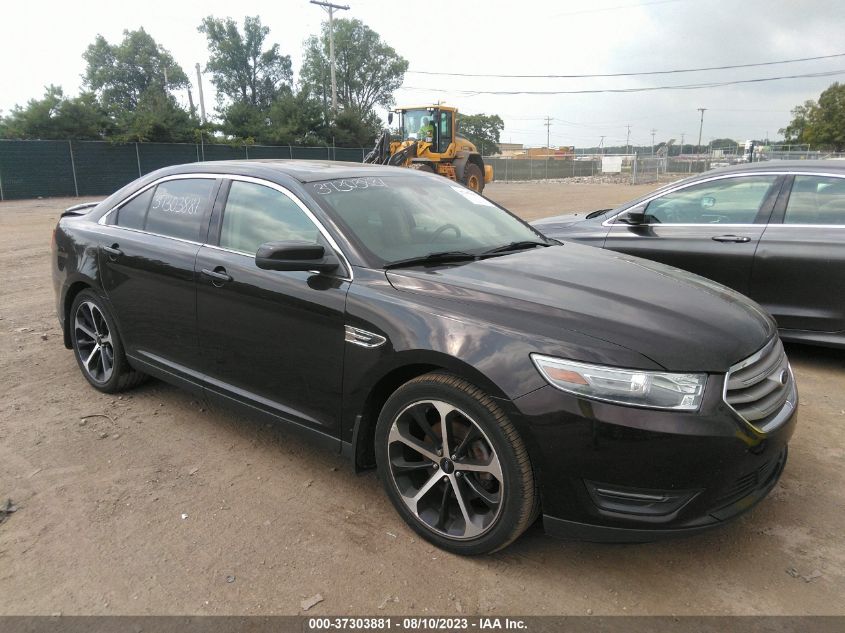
point(256, 214)
point(725, 201)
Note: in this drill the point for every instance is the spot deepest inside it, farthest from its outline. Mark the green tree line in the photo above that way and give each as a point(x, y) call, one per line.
point(128, 92)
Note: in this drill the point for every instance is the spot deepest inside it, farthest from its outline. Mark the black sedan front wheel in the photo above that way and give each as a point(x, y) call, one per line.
point(454, 466)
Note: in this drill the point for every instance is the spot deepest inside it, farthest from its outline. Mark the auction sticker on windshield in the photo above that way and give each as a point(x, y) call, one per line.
point(473, 197)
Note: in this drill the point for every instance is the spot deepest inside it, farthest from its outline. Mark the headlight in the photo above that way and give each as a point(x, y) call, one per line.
point(633, 387)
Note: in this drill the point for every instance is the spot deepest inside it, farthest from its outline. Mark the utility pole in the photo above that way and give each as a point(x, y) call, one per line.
point(682, 143)
point(202, 100)
point(700, 128)
point(548, 125)
point(628, 140)
point(330, 8)
point(653, 132)
point(601, 146)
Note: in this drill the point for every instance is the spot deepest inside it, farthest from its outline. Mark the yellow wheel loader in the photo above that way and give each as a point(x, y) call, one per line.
point(428, 142)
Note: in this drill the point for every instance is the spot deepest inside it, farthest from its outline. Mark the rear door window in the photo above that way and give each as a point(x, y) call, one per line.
point(816, 200)
point(178, 208)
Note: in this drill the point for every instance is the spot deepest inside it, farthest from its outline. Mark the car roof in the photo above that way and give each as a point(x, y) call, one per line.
point(782, 165)
point(301, 170)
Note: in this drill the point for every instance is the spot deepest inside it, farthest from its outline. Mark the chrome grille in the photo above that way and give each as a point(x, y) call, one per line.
point(759, 387)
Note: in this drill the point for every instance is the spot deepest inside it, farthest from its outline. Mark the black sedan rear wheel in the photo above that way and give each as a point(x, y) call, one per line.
point(97, 345)
point(454, 466)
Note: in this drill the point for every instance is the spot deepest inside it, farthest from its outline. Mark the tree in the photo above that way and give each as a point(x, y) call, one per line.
point(820, 123)
point(481, 130)
point(794, 132)
point(122, 73)
point(158, 118)
point(297, 119)
point(352, 130)
point(368, 70)
point(243, 120)
point(57, 117)
point(723, 143)
point(242, 71)
point(133, 81)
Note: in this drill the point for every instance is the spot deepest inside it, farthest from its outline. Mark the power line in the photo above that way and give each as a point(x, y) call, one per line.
point(712, 84)
point(631, 74)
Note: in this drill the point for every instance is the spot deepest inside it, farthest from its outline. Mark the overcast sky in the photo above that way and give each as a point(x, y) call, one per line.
point(42, 43)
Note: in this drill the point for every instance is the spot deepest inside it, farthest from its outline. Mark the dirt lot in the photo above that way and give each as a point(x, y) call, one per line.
point(169, 506)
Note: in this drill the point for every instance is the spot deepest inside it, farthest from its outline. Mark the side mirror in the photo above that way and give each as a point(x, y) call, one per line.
point(295, 256)
point(634, 217)
point(389, 118)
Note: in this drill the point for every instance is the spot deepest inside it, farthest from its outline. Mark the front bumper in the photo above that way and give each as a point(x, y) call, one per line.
point(622, 474)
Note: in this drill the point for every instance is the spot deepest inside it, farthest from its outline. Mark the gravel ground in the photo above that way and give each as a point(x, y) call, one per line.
point(154, 503)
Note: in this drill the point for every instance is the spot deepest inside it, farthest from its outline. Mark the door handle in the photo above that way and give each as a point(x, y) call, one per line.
point(112, 251)
point(731, 238)
point(218, 276)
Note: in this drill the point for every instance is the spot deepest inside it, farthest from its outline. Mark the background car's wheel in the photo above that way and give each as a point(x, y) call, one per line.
point(473, 178)
point(454, 466)
point(97, 345)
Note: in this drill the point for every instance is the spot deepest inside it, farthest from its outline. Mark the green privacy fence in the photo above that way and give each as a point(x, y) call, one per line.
point(31, 169)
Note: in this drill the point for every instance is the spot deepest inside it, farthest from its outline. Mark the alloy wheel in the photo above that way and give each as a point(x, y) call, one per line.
point(445, 469)
point(94, 342)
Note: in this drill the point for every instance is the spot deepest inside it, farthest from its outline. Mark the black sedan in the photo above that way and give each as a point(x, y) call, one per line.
point(488, 373)
point(773, 231)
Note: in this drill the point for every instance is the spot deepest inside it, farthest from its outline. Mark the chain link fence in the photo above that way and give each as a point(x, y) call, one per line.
point(622, 168)
point(32, 169)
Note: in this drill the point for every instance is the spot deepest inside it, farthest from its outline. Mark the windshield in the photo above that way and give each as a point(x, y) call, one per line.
point(394, 218)
point(417, 124)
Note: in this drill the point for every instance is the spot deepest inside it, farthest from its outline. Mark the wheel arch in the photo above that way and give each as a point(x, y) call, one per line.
point(70, 294)
point(390, 380)
point(464, 158)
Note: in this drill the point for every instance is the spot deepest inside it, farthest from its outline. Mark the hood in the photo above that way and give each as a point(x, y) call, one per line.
point(559, 220)
point(678, 320)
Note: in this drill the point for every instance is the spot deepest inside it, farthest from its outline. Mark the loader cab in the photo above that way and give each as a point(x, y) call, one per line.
point(433, 125)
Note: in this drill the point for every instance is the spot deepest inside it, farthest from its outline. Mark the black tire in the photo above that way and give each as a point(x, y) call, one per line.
point(456, 512)
point(97, 345)
point(474, 177)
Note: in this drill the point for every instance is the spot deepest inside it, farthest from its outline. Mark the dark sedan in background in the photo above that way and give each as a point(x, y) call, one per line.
point(774, 231)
